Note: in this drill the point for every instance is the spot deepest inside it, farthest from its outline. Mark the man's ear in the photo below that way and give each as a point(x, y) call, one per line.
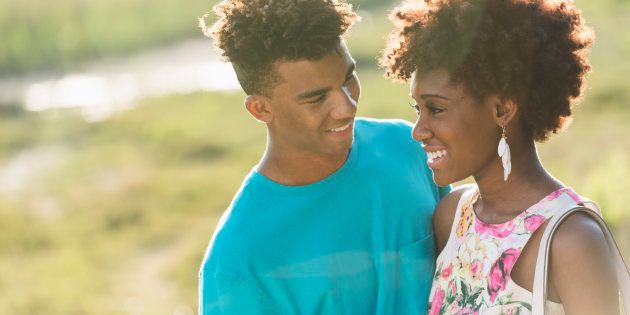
point(504, 110)
point(260, 107)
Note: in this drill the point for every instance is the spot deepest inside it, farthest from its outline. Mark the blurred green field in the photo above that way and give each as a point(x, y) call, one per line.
point(61, 34)
point(64, 34)
point(116, 214)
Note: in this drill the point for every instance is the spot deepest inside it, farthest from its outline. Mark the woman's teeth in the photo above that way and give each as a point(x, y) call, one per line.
point(436, 154)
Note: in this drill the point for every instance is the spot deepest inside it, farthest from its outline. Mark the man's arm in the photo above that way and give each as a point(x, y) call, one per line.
point(220, 294)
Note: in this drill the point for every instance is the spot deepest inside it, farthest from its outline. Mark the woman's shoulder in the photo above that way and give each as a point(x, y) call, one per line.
point(582, 270)
point(578, 236)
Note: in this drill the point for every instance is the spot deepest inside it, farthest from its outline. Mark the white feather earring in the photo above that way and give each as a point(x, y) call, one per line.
point(504, 153)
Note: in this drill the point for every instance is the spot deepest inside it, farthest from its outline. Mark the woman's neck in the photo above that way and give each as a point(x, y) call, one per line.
point(527, 184)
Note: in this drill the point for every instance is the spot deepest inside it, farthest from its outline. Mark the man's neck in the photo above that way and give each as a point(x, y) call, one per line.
point(299, 168)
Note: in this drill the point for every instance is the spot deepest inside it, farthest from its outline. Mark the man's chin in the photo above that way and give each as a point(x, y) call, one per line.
point(341, 148)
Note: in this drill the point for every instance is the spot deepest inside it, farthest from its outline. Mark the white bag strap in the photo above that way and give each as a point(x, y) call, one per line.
point(542, 269)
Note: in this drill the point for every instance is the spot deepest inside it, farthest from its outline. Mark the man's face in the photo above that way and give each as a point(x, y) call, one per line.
point(315, 105)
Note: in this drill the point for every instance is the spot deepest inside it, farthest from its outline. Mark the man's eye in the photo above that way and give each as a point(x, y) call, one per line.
point(318, 100)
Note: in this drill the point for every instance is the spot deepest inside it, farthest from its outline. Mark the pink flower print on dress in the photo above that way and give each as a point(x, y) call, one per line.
point(436, 303)
point(532, 222)
point(511, 310)
point(497, 230)
point(564, 190)
point(573, 196)
point(554, 194)
point(466, 311)
point(475, 267)
point(500, 272)
point(446, 272)
point(452, 287)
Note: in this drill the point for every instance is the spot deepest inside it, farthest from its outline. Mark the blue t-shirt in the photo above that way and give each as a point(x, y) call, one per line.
point(357, 242)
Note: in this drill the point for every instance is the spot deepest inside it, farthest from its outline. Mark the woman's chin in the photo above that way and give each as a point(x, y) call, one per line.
point(442, 179)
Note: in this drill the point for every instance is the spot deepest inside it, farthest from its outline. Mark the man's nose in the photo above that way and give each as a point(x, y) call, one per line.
point(345, 105)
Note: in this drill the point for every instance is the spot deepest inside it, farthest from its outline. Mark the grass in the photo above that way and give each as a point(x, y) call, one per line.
point(63, 35)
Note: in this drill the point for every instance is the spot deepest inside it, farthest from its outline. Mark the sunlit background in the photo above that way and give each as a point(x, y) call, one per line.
point(123, 138)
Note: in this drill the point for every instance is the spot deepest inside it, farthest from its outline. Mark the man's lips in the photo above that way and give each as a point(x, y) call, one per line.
point(340, 128)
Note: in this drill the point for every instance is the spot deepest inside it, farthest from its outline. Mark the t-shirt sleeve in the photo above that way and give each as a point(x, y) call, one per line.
point(443, 191)
point(220, 294)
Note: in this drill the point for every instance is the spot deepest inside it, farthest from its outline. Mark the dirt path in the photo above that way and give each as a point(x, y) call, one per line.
point(141, 289)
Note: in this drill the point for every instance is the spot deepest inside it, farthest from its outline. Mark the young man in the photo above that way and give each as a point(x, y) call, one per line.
point(336, 217)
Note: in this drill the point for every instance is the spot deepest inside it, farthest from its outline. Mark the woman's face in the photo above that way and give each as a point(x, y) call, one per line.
point(459, 133)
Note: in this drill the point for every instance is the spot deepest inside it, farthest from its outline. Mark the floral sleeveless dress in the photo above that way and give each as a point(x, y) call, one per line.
point(473, 271)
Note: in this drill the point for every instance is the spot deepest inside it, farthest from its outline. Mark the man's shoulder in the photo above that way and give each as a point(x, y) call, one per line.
point(228, 246)
point(392, 131)
point(388, 125)
point(229, 243)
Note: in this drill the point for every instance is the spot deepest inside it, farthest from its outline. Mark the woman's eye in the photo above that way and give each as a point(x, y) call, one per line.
point(415, 107)
point(435, 110)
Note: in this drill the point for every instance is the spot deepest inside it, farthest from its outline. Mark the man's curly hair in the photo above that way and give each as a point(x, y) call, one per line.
point(533, 52)
point(254, 34)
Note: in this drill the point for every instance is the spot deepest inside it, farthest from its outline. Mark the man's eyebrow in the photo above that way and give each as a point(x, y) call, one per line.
point(425, 96)
point(322, 91)
point(313, 93)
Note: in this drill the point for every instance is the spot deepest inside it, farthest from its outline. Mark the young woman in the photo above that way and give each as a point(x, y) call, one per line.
point(489, 79)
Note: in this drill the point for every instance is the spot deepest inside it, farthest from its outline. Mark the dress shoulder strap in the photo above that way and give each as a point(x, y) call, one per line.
point(464, 201)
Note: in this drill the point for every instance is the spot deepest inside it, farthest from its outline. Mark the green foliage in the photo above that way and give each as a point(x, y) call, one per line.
point(61, 34)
